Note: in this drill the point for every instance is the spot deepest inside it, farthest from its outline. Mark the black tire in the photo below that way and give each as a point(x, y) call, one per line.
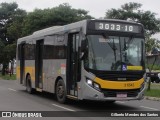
point(152, 80)
point(29, 88)
point(157, 80)
point(110, 101)
point(61, 91)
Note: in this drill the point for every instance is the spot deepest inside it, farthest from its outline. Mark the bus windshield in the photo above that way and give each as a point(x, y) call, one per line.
point(114, 53)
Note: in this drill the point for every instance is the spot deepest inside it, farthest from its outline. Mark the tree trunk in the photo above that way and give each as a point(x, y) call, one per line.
point(149, 85)
point(150, 70)
point(4, 68)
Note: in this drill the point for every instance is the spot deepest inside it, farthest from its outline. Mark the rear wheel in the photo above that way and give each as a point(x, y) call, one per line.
point(61, 91)
point(157, 80)
point(29, 88)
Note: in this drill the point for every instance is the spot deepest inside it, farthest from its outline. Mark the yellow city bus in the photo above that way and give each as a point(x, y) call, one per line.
point(101, 60)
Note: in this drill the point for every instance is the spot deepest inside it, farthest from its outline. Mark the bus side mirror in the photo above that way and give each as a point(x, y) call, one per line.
point(83, 46)
point(83, 49)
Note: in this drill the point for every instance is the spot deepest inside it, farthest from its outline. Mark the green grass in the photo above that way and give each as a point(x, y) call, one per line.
point(153, 93)
point(8, 77)
point(155, 67)
point(155, 90)
point(155, 86)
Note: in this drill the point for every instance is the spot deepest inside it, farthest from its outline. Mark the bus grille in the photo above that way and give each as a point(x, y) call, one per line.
point(114, 77)
point(118, 75)
point(113, 93)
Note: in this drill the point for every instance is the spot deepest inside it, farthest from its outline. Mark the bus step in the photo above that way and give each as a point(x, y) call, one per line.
point(38, 89)
point(72, 97)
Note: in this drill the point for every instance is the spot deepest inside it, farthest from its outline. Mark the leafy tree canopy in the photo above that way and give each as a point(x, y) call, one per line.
point(151, 43)
point(16, 23)
point(9, 14)
point(132, 11)
point(61, 15)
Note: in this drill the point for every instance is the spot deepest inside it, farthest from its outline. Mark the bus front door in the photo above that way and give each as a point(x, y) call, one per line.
point(73, 71)
point(39, 64)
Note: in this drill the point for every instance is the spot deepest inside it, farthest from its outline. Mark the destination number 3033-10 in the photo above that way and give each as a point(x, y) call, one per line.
point(116, 27)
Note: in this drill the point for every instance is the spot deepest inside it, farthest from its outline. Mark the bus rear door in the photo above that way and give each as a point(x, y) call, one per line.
point(22, 62)
point(39, 64)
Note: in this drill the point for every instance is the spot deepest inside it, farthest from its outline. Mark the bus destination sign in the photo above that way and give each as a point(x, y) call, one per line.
point(121, 27)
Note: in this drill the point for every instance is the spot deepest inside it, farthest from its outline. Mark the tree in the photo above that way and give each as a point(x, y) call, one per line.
point(9, 13)
point(1, 51)
point(11, 19)
point(61, 15)
point(132, 11)
point(152, 46)
point(151, 43)
point(8, 52)
point(16, 23)
point(14, 29)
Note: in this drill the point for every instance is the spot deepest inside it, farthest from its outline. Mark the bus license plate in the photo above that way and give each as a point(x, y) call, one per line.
point(121, 95)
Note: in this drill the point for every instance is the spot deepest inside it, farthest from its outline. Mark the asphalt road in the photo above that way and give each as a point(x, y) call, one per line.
point(13, 97)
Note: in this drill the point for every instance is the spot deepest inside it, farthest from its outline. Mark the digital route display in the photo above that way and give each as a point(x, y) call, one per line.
point(121, 27)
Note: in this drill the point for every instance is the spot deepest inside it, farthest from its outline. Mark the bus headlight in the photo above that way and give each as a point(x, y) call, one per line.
point(93, 84)
point(96, 86)
point(90, 82)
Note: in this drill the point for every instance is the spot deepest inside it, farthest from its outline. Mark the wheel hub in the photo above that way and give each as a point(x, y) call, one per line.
point(60, 91)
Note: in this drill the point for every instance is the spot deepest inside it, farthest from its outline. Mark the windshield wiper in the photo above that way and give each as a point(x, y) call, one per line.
point(114, 49)
point(113, 46)
point(127, 44)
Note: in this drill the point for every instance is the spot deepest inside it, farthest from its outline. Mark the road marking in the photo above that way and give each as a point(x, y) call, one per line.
point(12, 89)
point(148, 108)
point(120, 102)
point(63, 107)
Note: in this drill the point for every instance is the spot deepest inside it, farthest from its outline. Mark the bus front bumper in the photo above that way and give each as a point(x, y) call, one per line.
point(92, 94)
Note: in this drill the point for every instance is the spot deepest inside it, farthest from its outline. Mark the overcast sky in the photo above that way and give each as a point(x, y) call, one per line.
point(96, 8)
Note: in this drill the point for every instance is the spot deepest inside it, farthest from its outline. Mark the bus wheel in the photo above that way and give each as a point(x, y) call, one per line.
point(157, 80)
point(28, 86)
point(61, 91)
point(110, 101)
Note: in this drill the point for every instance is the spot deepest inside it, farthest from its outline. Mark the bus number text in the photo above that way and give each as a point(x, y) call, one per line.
point(115, 27)
point(129, 85)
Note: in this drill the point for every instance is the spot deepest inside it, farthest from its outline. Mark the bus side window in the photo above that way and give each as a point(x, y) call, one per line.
point(29, 51)
point(49, 52)
point(60, 47)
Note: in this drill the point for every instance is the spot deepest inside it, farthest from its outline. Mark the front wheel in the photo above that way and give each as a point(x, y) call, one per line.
point(61, 91)
point(110, 101)
point(157, 80)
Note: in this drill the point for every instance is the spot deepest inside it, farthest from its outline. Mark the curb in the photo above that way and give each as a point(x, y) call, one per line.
point(152, 98)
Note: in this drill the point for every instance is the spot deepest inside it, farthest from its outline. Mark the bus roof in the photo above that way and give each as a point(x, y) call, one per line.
point(57, 29)
point(54, 30)
point(45, 30)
